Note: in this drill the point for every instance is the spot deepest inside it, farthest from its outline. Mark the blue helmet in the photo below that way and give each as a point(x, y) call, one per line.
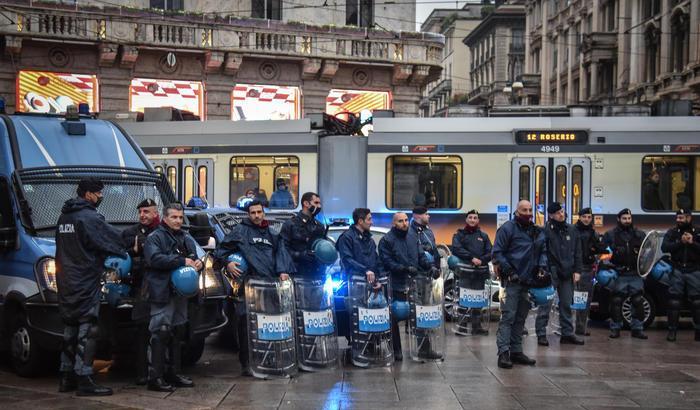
point(400, 309)
point(325, 251)
point(238, 258)
point(661, 269)
point(453, 261)
point(429, 257)
point(185, 281)
point(243, 203)
point(120, 264)
point(606, 277)
point(197, 202)
point(114, 292)
point(542, 296)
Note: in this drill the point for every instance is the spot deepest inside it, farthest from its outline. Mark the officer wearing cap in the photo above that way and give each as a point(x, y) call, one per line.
point(83, 241)
point(591, 245)
point(625, 242)
point(420, 225)
point(134, 239)
point(682, 242)
point(564, 257)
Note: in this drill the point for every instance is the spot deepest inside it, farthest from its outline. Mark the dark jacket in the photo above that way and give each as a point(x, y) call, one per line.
point(520, 250)
point(83, 240)
point(399, 250)
point(358, 252)
point(138, 265)
point(685, 257)
point(650, 196)
point(563, 249)
point(164, 251)
point(265, 253)
point(625, 244)
point(298, 234)
point(591, 244)
point(426, 238)
point(467, 246)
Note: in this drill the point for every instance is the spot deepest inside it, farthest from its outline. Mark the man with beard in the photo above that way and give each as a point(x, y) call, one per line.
point(625, 242)
point(300, 232)
point(591, 245)
point(426, 238)
point(683, 243)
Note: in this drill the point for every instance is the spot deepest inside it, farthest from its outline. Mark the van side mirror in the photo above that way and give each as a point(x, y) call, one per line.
point(8, 239)
point(200, 228)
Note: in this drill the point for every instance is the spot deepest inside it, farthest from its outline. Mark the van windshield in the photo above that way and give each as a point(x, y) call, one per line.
point(43, 142)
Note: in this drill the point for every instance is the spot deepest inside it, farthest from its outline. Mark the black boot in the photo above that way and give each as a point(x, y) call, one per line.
point(671, 336)
point(156, 363)
point(639, 334)
point(172, 375)
point(87, 387)
point(159, 384)
point(542, 341)
point(572, 340)
point(398, 356)
point(69, 382)
point(504, 361)
point(520, 358)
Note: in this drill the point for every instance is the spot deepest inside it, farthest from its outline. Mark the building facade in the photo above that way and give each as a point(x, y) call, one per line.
point(216, 59)
point(613, 52)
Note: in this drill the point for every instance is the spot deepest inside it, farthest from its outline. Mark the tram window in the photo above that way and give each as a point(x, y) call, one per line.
point(577, 187)
point(189, 183)
point(524, 183)
point(172, 178)
point(670, 182)
point(560, 184)
point(540, 194)
point(272, 180)
point(202, 180)
point(431, 181)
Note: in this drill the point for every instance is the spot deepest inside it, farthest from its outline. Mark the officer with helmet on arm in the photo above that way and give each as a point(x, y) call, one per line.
point(168, 248)
point(683, 243)
point(420, 224)
point(300, 232)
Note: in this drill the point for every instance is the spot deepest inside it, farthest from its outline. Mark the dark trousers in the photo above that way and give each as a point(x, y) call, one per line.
point(80, 343)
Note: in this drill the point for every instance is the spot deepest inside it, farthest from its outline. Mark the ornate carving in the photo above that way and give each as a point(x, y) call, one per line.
point(268, 70)
point(360, 77)
point(59, 57)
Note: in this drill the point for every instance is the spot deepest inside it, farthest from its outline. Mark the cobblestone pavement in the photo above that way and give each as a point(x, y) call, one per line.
point(603, 374)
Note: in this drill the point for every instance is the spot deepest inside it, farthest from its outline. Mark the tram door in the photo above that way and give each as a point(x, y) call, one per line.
point(545, 180)
point(189, 177)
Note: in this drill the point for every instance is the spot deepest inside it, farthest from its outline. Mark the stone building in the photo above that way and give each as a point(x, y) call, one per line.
point(219, 59)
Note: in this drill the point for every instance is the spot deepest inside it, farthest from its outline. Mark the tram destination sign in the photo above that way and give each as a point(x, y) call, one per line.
point(551, 137)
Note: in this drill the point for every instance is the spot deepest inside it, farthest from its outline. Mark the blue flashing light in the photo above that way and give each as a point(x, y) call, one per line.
point(332, 285)
point(83, 109)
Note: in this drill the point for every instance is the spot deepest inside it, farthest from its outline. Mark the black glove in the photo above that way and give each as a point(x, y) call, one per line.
point(434, 272)
point(411, 270)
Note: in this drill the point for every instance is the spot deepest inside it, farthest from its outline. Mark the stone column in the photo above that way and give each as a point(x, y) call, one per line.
point(665, 43)
point(593, 86)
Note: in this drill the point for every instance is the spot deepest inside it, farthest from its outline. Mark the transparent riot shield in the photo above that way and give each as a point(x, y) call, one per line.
point(649, 253)
point(472, 312)
point(370, 339)
point(426, 322)
point(317, 334)
point(270, 316)
point(579, 307)
point(553, 323)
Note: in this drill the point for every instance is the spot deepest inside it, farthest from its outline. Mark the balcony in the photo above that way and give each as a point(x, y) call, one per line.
point(479, 95)
point(599, 46)
point(442, 88)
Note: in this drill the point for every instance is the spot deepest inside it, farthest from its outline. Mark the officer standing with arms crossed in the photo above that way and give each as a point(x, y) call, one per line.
point(520, 250)
point(167, 248)
point(625, 242)
point(564, 257)
point(135, 238)
point(83, 240)
point(473, 246)
point(591, 245)
point(683, 243)
point(266, 256)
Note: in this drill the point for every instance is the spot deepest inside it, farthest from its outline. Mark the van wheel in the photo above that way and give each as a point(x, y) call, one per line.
point(193, 351)
point(25, 353)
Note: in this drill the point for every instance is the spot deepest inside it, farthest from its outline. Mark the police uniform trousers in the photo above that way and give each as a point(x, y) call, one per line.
point(680, 285)
point(166, 328)
point(514, 310)
point(565, 290)
point(628, 285)
point(80, 343)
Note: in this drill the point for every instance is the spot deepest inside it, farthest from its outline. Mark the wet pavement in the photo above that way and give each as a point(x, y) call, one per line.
point(603, 374)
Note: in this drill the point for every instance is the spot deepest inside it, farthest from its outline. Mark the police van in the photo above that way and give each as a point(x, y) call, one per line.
point(42, 158)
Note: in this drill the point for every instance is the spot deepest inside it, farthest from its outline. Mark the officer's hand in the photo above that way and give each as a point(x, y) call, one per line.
point(687, 238)
point(198, 265)
point(577, 277)
point(190, 262)
point(435, 272)
point(411, 270)
point(284, 276)
point(370, 276)
point(476, 261)
point(232, 267)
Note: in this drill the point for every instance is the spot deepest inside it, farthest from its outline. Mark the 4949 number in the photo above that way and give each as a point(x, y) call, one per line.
point(550, 148)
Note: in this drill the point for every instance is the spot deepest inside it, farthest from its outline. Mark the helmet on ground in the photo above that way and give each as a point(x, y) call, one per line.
point(606, 277)
point(661, 269)
point(325, 251)
point(542, 296)
point(400, 309)
point(119, 264)
point(453, 261)
point(238, 258)
point(185, 281)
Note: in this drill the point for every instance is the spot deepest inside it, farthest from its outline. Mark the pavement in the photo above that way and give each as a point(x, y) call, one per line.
point(603, 374)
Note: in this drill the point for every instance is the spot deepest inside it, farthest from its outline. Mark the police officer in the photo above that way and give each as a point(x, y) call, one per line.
point(591, 245)
point(625, 242)
point(426, 237)
point(167, 248)
point(564, 257)
point(473, 246)
point(83, 240)
point(300, 232)
point(358, 252)
point(135, 238)
point(683, 243)
point(520, 250)
point(267, 257)
point(402, 257)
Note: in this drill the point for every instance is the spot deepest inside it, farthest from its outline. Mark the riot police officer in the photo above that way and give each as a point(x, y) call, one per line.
point(683, 243)
point(135, 238)
point(426, 237)
point(83, 240)
point(625, 242)
point(357, 250)
point(266, 257)
point(564, 256)
point(300, 232)
point(473, 246)
point(591, 245)
point(167, 248)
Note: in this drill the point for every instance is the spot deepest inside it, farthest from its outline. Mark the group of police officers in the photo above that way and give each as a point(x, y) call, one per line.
point(523, 255)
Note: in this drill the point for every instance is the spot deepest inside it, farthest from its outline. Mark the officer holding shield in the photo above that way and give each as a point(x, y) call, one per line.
point(683, 243)
point(420, 225)
point(300, 232)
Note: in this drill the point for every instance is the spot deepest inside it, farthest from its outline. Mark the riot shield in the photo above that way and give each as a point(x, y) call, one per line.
point(426, 321)
point(553, 323)
point(649, 253)
point(317, 334)
point(579, 307)
point(370, 339)
point(270, 316)
point(472, 312)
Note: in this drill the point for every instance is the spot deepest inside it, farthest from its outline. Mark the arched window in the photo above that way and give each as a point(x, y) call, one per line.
point(653, 55)
point(680, 39)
